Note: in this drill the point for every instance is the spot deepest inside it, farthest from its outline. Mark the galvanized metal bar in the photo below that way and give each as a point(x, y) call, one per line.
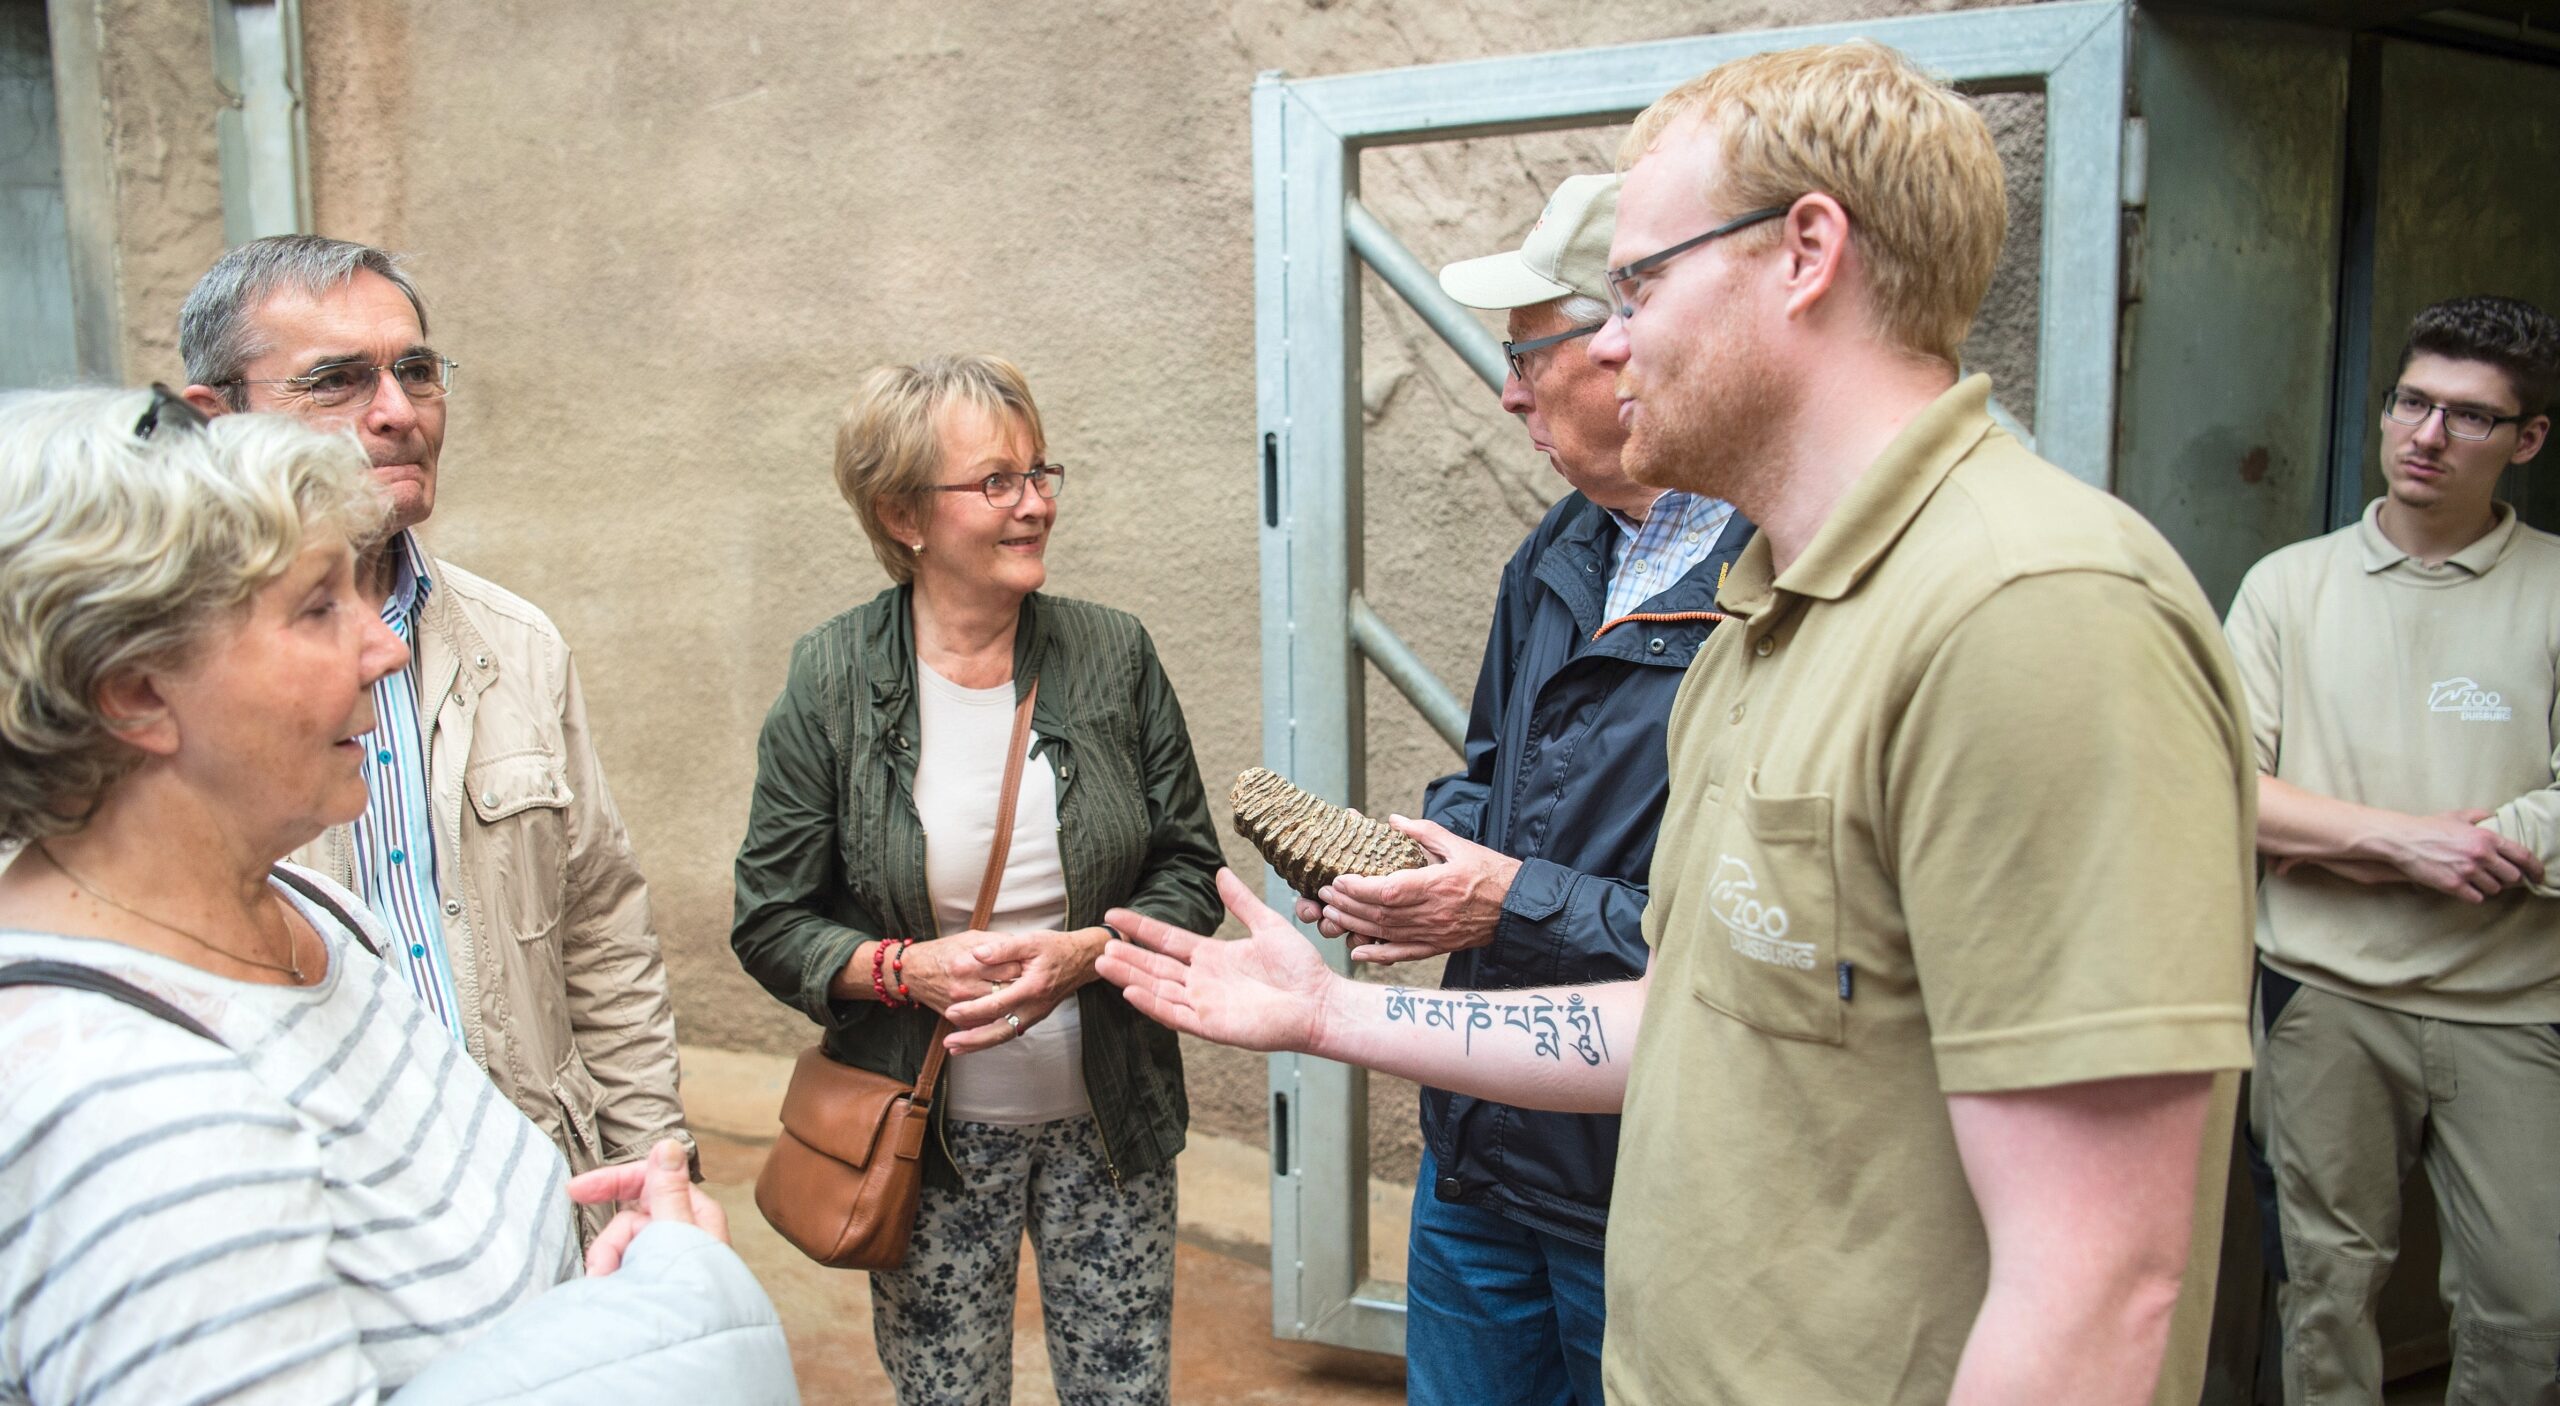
point(257, 59)
point(1404, 273)
point(2078, 294)
point(1371, 1320)
point(1307, 337)
point(1405, 669)
point(1981, 48)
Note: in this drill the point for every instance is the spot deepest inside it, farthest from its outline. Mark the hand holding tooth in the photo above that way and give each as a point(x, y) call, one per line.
point(1311, 843)
point(1451, 904)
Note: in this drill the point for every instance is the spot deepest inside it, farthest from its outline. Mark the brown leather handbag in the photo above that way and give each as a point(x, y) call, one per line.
point(844, 1175)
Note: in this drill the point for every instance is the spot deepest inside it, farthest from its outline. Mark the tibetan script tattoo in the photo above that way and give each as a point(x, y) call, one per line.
point(1545, 1021)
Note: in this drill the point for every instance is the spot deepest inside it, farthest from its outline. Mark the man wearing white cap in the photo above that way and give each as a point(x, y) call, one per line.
point(1542, 843)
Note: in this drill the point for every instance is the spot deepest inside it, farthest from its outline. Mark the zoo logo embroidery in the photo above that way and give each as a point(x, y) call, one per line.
point(2467, 699)
point(1756, 928)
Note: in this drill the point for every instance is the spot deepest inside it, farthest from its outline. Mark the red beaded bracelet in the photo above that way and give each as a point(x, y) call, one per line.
point(898, 971)
point(879, 987)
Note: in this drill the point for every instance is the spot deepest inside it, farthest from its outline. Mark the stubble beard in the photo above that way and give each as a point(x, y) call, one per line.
point(1706, 425)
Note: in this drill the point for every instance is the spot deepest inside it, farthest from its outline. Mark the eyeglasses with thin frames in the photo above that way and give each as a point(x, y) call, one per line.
point(1627, 280)
point(1517, 353)
point(2460, 421)
point(338, 384)
point(1003, 488)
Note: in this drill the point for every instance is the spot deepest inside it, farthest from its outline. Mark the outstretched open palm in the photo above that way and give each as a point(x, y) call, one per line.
point(1265, 992)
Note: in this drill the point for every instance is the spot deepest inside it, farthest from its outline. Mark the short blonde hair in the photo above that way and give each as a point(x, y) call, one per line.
point(889, 439)
point(1906, 155)
point(121, 553)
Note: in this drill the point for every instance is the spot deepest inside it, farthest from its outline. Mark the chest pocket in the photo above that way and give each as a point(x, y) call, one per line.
point(519, 804)
point(1769, 955)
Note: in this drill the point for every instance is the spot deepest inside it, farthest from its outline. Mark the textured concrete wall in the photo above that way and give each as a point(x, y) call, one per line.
point(135, 80)
point(664, 238)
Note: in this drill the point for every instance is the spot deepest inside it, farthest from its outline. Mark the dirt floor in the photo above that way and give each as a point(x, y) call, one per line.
point(1223, 1351)
point(1224, 1354)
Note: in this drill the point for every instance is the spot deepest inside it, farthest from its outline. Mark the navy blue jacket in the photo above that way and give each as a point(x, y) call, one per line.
point(1567, 772)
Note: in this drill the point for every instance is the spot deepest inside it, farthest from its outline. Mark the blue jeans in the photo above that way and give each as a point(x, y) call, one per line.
point(1495, 1311)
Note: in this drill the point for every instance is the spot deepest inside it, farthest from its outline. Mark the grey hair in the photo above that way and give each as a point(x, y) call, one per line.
point(119, 554)
point(1579, 308)
point(217, 332)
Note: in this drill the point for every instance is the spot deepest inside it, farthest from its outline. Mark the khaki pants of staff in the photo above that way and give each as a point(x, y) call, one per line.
point(2348, 1096)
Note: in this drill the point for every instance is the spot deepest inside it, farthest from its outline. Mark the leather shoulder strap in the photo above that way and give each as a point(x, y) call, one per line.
point(80, 978)
point(327, 904)
point(997, 854)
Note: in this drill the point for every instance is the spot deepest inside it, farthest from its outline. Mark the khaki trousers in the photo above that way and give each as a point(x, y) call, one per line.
point(2348, 1096)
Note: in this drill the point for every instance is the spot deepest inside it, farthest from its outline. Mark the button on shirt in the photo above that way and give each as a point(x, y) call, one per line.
point(1677, 534)
point(395, 837)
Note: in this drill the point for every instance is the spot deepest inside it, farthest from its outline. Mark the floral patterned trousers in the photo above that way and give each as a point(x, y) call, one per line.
point(1104, 1246)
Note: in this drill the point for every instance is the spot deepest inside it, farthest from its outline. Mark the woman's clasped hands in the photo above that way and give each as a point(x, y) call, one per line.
point(1026, 975)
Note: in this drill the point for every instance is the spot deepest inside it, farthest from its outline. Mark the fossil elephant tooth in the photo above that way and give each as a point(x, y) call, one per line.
point(1309, 842)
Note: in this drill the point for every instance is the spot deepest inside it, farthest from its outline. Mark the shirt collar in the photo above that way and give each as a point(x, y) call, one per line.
point(1878, 507)
point(410, 583)
point(2382, 554)
point(1668, 500)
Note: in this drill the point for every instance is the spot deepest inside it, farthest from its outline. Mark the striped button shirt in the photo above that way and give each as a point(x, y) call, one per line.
point(310, 1211)
point(395, 866)
point(1677, 534)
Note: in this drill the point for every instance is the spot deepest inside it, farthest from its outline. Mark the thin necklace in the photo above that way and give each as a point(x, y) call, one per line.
point(292, 948)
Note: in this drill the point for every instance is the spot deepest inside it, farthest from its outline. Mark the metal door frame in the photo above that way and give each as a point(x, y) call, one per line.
point(1316, 628)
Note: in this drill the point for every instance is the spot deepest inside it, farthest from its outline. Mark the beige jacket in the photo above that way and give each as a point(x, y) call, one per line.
point(563, 993)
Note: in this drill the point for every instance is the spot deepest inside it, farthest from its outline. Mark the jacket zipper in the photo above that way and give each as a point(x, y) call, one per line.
point(1664, 617)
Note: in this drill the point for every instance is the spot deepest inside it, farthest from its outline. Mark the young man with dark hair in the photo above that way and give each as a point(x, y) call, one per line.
point(2401, 678)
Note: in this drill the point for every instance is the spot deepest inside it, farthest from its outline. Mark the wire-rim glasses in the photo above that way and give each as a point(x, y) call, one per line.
point(1003, 488)
point(1517, 353)
point(1627, 280)
point(422, 376)
point(2460, 421)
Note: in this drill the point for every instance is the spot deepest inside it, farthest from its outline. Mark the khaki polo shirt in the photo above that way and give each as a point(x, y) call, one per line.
point(2376, 678)
point(1961, 803)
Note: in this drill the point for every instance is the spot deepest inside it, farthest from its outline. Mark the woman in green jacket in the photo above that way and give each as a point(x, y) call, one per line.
point(877, 782)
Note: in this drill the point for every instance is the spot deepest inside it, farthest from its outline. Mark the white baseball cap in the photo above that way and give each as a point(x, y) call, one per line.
point(1567, 252)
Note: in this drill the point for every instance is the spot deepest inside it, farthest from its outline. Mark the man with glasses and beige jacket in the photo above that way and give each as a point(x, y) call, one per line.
point(490, 848)
point(2404, 681)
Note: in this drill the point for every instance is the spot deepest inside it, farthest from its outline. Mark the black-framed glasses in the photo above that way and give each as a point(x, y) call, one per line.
point(167, 408)
point(1003, 488)
point(422, 376)
point(1517, 353)
point(2460, 421)
point(1627, 280)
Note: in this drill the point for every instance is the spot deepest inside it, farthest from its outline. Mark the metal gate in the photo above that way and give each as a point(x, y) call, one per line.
point(1309, 225)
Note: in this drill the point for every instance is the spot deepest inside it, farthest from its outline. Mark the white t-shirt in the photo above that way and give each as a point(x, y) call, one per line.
point(1039, 1076)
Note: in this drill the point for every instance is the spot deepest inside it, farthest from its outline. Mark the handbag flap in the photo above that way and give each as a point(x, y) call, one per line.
point(837, 1109)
